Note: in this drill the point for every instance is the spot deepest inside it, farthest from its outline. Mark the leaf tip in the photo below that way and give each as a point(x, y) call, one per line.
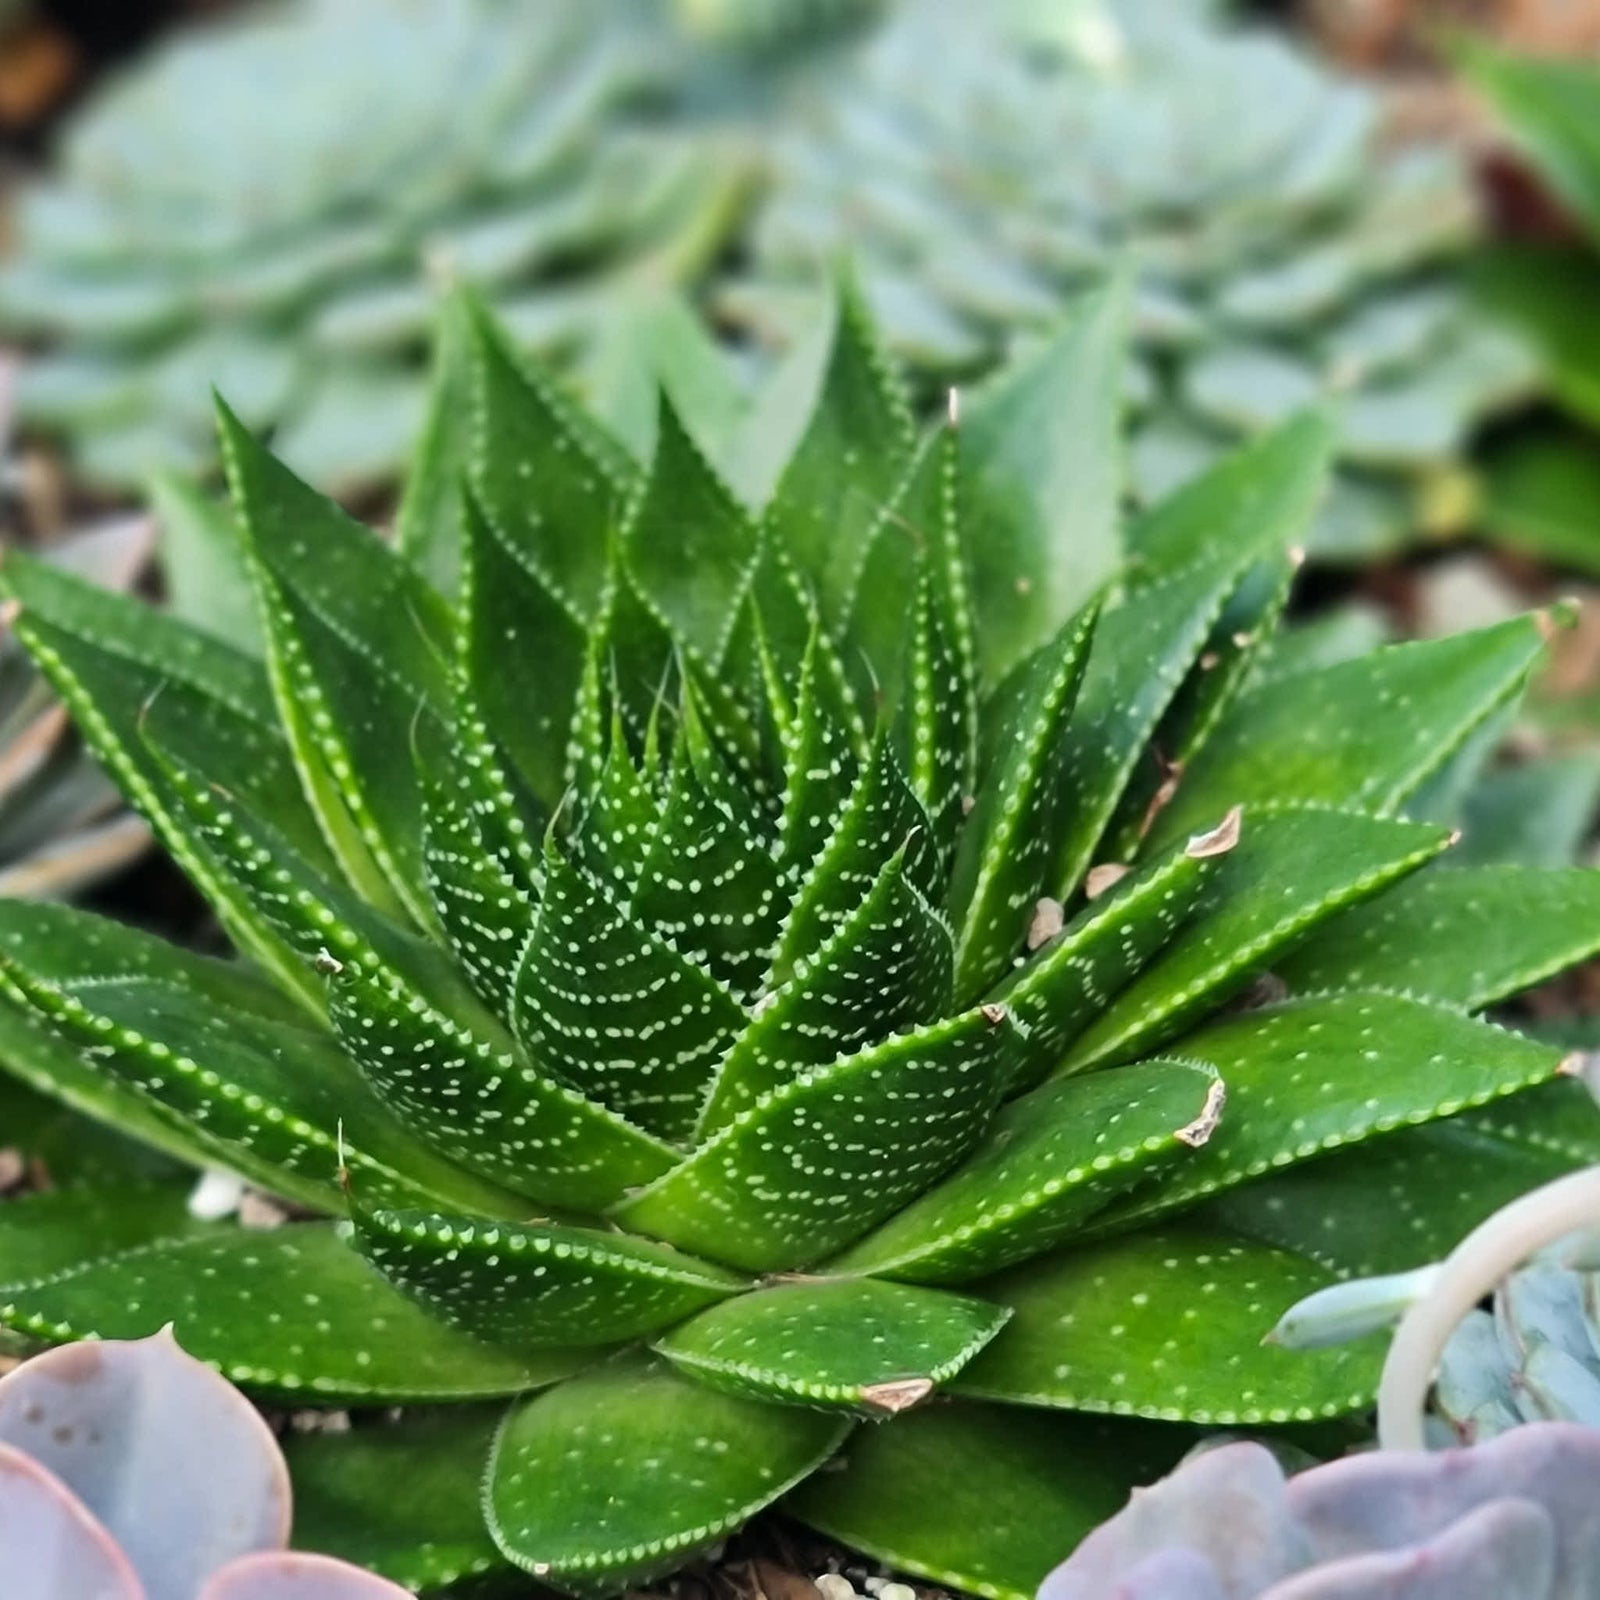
point(1195, 1134)
point(896, 1396)
point(1220, 840)
point(1103, 877)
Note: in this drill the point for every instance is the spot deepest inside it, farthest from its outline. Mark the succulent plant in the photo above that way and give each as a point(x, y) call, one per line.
point(724, 975)
point(1513, 1520)
point(982, 162)
point(196, 234)
point(130, 1471)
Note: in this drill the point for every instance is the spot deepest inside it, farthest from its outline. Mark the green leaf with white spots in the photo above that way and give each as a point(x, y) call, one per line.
point(203, 570)
point(45, 1233)
point(691, 546)
point(428, 530)
point(1408, 1199)
point(621, 1473)
point(1364, 734)
point(205, 1046)
point(708, 886)
point(358, 645)
point(485, 1105)
point(1052, 1159)
point(881, 820)
point(483, 909)
point(984, 1499)
point(1004, 856)
point(400, 1500)
point(872, 1347)
point(1291, 869)
point(885, 968)
point(1310, 1076)
point(820, 766)
point(524, 652)
point(847, 467)
point(1042, 481)
point(130, 673)
point(1470, 936)
point(1077, 972)
point(536, 1284)
point(293, 1312)
point(790, 1179)
point(551, 484)
point(606, 1006)
point(1168, 1325)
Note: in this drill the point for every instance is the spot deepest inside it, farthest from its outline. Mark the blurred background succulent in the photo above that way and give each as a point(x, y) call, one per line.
point(1513, 1520)
point(62, 825)
point(195, 233)
point(979, 163)
point(1544, 479)
point(130, 1471)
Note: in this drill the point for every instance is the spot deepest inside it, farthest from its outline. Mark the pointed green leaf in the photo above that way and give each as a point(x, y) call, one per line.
point(606, 1006)
point(1043, 478)
point(930, 681)
point(428, 528)
point(1292, 868)
point(538, 1284)
point(203, 568)
point(1363, 734)
point(127, 671)
point(1078, 972)
point(881, 819)
point(358, 646)
point(707, 886)
point(45, 1233)
point(1052, 1159)
point(1408, 1199)
point(690, 545)
point(621, 1473)
point(876, 1348)
point(984, 1499)
point(847, 467)
point(887, 967)
point(1169, 1325)
point(791, 1180)
point(1004, 855)
point(1470, 936)
point(1314, 1075)
point(524, 652)
point(399, 1500)
point(204, 1044)
point(292, 1312)
point(484, 1105)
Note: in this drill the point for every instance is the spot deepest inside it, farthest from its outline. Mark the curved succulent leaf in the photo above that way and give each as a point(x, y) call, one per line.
point(285, 1575)
point(1507, 929)
point(552, 1493)
point(48, 1540)
point(293, 1312)
point(538, 1284)
point(790, 1179)
point(42, 1234)
point(877, 1348)
point(84, 1413)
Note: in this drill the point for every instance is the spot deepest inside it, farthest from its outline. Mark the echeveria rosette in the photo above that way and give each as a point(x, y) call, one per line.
point(980, 164)
point(131, 1471)
point(243, 208)
point(725, 975)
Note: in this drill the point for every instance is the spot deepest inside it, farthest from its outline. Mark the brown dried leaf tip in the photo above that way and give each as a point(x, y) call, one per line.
point(1196, 1133)
point(1047, 921)
point(899, 1395)
point(1106, 876)
point(1219, 841)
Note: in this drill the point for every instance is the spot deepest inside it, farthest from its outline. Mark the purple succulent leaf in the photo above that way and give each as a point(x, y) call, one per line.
point(1505, 1550)
point(287, 1575)
point(170, 1457)
point(1391, 1500)
point(1172, 1574)
point(51, 1546)
point(1226, 1506)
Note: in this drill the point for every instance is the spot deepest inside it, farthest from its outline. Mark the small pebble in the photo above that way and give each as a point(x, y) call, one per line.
point(832, 1587)
point(897, 1591)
